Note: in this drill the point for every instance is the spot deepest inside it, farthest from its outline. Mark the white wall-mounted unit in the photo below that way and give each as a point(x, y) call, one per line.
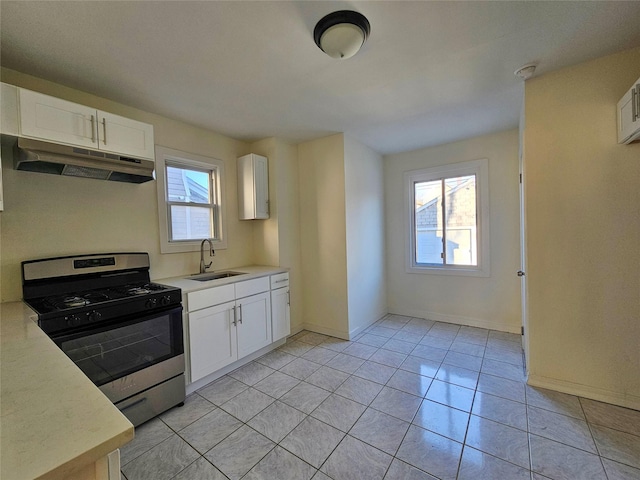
point(48, 118)
point(9, 110)
point(253, 187)
point(629, 115)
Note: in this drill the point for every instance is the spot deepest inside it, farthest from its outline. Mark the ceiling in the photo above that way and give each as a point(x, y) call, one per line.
point(430, 73)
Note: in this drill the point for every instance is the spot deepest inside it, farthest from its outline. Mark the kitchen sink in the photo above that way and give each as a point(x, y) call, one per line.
point(205, 277)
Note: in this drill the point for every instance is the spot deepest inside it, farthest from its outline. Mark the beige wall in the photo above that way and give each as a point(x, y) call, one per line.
point(583, 232)
point(276, 241)
point(48, 215)
point(364, 207)
point(323, 235)
point(492, 302)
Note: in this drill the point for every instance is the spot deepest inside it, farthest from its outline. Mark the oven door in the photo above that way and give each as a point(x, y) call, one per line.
point(127, 356)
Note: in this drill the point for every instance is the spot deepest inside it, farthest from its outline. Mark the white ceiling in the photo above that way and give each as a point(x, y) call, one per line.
point(430, 73)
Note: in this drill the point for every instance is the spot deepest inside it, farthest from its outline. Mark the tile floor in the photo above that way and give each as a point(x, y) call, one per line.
point(407, 399)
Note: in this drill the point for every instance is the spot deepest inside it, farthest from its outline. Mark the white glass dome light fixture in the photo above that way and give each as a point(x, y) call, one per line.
point(341, 34)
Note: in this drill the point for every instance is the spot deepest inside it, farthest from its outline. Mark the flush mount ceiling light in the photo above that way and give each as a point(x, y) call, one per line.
point(525, 71)
point(341, 34)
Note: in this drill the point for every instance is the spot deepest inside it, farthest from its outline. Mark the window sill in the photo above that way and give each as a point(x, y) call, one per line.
point(462, 271)
point(190, 246)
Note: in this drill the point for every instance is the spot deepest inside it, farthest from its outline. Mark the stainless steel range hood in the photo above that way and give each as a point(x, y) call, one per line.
point(44, 157)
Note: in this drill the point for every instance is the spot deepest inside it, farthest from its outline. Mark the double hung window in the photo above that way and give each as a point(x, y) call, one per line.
point(189, 200)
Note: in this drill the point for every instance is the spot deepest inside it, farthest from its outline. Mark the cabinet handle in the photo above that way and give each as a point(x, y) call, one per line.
point(288, 298)
point(240, 317)
point(634, 104)
point(280, 281)
point(637, 101)
point(93, 129)
point(235, 323)
point(104, 130)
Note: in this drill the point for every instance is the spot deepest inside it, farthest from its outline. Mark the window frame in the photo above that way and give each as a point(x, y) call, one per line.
point(175, 158)
point(479, 168)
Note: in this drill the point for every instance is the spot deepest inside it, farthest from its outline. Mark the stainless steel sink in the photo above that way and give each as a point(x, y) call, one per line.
point(205, 277)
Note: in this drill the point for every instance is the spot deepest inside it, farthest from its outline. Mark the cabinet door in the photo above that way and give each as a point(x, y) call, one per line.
point(280, 313)
point(212, 340)
point(253, 187)
point(48, 118)
point(254, 323)
point(125, 136)
point(261, 185)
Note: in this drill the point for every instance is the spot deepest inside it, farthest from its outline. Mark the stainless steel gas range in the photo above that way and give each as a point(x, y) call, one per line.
point(123, 331)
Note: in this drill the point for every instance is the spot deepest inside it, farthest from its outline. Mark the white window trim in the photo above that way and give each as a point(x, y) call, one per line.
point(479, 168)
point(164, 154)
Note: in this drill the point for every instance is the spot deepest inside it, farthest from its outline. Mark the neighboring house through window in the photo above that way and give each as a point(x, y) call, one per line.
point(189, 197)
point(448, 215)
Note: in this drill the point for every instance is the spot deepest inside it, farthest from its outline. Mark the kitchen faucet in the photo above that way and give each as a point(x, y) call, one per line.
point(204, 266)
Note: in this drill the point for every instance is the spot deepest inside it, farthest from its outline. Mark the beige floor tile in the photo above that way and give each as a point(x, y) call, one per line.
point(430, 452)
point(562, 462)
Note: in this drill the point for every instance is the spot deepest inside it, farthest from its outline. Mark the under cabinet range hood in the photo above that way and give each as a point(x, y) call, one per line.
point(44, 157)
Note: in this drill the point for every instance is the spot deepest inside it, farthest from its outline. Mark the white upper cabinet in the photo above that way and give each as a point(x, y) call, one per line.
point(125, 136)
point(52, 119)
point(253, 187)
point(49, 118)
point(9, 110)
point(629, 115)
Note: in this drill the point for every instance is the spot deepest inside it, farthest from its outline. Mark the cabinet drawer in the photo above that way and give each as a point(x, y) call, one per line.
point(210, 297)
point(280, 280)
point(251, 287)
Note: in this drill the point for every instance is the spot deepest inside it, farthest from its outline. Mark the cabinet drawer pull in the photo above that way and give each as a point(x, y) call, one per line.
point(283, 280)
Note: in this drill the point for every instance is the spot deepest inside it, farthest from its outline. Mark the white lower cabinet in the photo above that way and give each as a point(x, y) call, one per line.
point(231, 329)
point(280, 313)
point(280, 306)
point(253, 323)
point(212, 339)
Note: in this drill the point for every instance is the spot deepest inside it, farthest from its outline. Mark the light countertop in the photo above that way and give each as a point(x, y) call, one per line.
point(250, 272)
point(54, 420)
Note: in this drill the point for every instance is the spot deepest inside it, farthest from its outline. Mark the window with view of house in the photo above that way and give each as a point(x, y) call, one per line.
point(191, 209)
point(448, 219)
point(189, 197)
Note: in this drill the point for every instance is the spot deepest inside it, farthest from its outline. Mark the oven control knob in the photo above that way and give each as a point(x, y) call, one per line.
point(72, 320)
point(151, 303)
point(166, 300)
point(94, 316)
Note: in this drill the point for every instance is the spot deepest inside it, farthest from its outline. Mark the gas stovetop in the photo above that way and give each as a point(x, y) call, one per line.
point(73, 292)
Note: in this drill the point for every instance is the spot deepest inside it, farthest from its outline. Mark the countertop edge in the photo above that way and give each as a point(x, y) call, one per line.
point(38, 413)
point(250, 272)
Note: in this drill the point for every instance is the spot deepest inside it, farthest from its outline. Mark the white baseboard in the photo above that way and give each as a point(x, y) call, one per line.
point(357, 331)
point(587, 391)
point(456, 319)
point(325, 331)
point(339, 333)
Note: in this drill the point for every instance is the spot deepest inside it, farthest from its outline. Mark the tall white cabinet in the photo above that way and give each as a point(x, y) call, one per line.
point(253, 187)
